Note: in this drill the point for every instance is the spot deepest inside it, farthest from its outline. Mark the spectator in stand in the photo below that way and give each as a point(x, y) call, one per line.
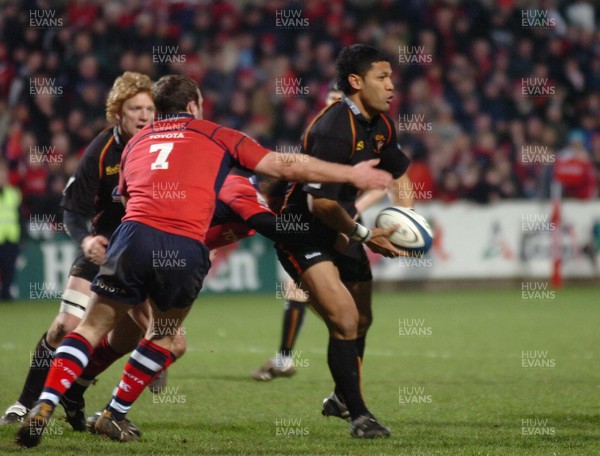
point(575, 170)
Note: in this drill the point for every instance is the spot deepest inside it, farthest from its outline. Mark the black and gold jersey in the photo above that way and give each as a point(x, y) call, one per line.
point(341, 134)
point(93, 190)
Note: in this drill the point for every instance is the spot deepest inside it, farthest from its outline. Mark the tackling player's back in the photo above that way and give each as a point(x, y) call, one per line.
point(173, 169)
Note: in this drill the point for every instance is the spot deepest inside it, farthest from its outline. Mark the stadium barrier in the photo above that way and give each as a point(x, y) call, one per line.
point(44, 263)
point(506, 240)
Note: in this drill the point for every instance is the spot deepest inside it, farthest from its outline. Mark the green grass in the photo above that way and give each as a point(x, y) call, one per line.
point(469, 368)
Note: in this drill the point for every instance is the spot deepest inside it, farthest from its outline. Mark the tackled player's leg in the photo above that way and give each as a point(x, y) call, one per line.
point(72, 307)
point(70, 359)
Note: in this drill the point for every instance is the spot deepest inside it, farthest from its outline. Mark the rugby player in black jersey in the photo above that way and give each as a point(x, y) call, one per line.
point(91, 194)
point(296, 301)
point(339, 285)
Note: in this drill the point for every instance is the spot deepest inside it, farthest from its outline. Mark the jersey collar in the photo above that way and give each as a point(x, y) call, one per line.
point(352, 106)
point(359, 115)
point(117, 136)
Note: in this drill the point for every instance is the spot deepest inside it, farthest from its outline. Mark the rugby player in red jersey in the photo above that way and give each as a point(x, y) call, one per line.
point(192, 157)
point(91, 195)
point(241, 212)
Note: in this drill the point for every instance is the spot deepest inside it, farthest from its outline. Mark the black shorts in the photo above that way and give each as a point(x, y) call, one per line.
point(83, 268)
point(145, 262)
point(353, 264)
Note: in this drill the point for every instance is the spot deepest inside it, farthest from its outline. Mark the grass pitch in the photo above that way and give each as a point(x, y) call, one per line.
point(451, 373)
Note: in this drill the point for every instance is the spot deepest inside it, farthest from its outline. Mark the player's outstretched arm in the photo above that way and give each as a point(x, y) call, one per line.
point(399, 192)
point(368, 199)
point(304, 168)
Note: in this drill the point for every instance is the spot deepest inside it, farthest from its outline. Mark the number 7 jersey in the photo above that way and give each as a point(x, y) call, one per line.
point(173, 169)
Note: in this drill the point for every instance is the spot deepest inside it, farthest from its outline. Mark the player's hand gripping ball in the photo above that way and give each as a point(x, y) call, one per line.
point(413, 234)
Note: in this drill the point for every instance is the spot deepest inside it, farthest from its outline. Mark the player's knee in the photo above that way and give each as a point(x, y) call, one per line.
point(58, 331)
point(72, 310)
point(364, 323)
point(344, 326)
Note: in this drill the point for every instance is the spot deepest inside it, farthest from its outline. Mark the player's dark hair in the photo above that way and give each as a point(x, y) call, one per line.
point(173, 92)
point(356, 59)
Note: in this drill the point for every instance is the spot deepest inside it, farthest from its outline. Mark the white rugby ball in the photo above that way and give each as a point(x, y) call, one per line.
point(413, 234)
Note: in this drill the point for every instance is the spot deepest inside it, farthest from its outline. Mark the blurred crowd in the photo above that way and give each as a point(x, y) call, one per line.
point(494, 100)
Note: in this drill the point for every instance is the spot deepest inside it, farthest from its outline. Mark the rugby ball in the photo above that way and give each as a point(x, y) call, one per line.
point(413, 234)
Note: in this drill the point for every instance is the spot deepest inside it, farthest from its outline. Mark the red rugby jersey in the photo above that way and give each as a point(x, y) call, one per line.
point(172, 171)
point(238, 201)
